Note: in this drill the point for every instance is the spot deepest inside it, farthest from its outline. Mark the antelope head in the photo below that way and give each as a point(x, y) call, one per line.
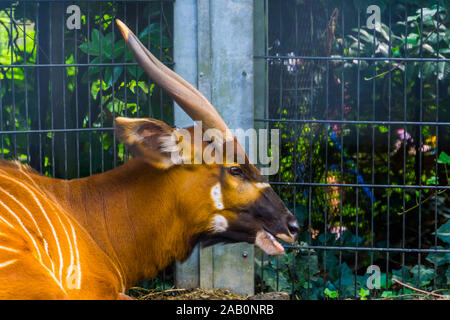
point(230, 199)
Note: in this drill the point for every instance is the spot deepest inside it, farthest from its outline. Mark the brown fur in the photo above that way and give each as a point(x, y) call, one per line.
point(129, 223)
point(134, 217)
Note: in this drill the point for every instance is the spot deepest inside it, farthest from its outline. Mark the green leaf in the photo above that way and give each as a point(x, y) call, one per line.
point(95, 69)
point(413, 38)
point(307, 265)
point(427, 13)
point(432, 180)
point(440, 258)
point(426, 274)
point(331, 294)
point(270, 279)
point(135, 71)
point(444, 158)
point(383, 129)
point(119, 47)
point(383, 281)
point(83, 47)
point(388, 294)
point(4, 150)
point(107, 46)
point(112, 75)
point(363, 293)
point(443, 232)
point(94, 44)
point(404, 271)
point(95, 88)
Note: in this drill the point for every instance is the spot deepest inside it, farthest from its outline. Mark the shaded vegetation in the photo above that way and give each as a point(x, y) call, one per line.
point(344, 152)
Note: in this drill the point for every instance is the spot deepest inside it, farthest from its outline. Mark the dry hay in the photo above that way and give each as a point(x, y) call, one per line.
point(223, 294)
point(205, 294)
point(191, 294)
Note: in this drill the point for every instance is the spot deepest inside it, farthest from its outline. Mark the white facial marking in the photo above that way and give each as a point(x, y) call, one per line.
point(219, 223)
point(216, 195)
point(262, 185)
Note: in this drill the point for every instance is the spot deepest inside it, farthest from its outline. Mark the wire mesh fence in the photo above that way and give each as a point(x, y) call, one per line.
point(62, 87)
point(363, 116)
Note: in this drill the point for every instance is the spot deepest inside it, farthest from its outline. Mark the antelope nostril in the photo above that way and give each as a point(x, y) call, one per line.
point(293, 227)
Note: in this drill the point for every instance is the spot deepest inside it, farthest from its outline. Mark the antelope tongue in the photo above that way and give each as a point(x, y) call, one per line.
point(268, 243)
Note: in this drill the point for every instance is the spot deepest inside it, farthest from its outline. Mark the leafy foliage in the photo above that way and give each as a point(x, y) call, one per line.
point(100, 82)
point(321, 157)
point(95, 79)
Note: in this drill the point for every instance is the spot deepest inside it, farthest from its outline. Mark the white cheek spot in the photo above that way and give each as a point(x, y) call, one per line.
point(262, 185)
point(219, 223)
point(216, 195)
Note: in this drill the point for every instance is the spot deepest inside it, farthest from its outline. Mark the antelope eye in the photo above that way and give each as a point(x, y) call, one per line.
point(236, 171)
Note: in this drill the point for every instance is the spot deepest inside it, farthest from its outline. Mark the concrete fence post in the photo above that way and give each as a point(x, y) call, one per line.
point(213, 50)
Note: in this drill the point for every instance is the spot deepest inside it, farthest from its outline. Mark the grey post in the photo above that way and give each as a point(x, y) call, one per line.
point(185, 57)
point(213, 50)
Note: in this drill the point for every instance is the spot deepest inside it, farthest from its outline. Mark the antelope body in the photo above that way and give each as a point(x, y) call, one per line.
point(93, 238)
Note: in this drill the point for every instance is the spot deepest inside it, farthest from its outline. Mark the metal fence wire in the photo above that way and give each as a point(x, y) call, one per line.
point(363, 114)
point(61, 88)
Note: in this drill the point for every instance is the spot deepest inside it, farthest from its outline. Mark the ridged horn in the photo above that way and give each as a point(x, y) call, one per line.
point(189, 98)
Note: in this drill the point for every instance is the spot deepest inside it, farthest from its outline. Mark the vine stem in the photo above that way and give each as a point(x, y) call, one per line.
point(418, 290)
point(428, 198)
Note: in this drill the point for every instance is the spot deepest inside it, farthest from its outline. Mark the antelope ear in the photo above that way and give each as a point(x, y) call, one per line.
point(149, 139)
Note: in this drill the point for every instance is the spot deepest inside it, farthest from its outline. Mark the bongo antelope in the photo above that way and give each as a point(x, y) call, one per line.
point(93, 238)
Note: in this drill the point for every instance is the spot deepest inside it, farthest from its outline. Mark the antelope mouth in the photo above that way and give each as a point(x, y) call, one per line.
point(268, 243)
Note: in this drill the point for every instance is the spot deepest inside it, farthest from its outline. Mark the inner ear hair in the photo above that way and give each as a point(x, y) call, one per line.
point(150, 139)
point(129, 130)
